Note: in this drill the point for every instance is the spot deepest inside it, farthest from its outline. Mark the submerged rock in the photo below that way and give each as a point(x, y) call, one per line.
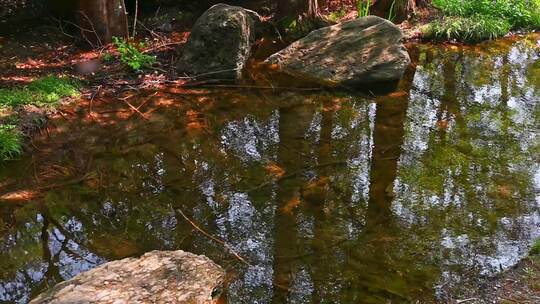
point(156, 277)
point(220, 43)
point(365, 50)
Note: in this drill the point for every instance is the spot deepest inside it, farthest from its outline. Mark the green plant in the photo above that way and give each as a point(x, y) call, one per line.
point(10, 142)
point(467, 29)
point(13, 97)
point(535, 249)
point(46, 90)
point(51, 89)
point(363, 7)
point(107, 57)
point(519, 13)
point(337, 15)
point(391, 13)
point(475, 20)
point(131, 54)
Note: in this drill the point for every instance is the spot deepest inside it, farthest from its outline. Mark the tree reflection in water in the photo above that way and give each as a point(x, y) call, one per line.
point(332, 198)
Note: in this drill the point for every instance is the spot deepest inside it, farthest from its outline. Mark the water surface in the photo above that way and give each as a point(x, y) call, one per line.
point(331, 197)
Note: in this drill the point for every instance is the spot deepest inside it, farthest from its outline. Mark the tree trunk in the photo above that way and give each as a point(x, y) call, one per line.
point(295, 8)
point(100, 20)
point(396, 10)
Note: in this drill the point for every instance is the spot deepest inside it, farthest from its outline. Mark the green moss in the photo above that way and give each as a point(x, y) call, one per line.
point(14, 97)
point(51, 89)
point(46, 90)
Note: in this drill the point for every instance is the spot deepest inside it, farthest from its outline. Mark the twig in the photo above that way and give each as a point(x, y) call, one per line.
point(133, 108)
point(62, 28)
point(114, 111)
point(92, 26)
point(82, 33)
point(241, 259)
point(162, 45)
point(151, 32)
point(62, 114)
point(239, 86)
point(92, 102)
point(143, 103)
point(135, 20)
point(68, 183)
point(212, 73)
point(125, 13)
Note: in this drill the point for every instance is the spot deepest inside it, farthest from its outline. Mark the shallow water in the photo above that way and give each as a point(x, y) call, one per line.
point(331, 198)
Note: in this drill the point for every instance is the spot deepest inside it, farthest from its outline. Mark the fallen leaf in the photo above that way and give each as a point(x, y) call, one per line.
point(504, 191)
point(315, 192)
point(19, 196)
point(291, 205)
point(442, 124)
point(275, 170)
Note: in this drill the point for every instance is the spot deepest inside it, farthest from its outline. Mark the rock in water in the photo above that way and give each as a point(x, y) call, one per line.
point(361, 51)
point(220, 43)
point(156, 277)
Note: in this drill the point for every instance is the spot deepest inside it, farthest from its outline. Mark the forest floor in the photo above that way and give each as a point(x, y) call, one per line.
point(520, 284)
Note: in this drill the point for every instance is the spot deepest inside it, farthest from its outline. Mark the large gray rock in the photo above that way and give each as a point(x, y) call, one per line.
point(156, 277)
point(220, 43)
point(360, 51)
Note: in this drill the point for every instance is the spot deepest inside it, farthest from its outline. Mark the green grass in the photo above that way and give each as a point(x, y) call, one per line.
point(10, 142)
point(475, 20)
point(43, 92)
point(363, 8)
point(535, 249)
point(468, 29)
point(46, 90)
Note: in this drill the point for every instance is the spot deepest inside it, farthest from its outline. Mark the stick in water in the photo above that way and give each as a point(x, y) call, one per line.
point(208, 235)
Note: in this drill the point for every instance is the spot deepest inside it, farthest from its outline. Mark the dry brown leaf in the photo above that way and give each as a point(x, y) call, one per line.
point(275, 170)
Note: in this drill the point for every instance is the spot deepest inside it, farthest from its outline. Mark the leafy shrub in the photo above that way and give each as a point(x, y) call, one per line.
point(519, 13)
point(468, 29)
point(10, 142)
point(131, 55)
point(475, 20)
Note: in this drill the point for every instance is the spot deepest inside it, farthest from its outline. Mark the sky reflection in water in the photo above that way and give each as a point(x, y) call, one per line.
point(332, 198)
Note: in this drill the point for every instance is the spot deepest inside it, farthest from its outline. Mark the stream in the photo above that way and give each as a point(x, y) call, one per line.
point(330, 197)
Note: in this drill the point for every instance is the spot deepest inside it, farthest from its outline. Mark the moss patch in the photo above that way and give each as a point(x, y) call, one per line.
point(43, 92)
